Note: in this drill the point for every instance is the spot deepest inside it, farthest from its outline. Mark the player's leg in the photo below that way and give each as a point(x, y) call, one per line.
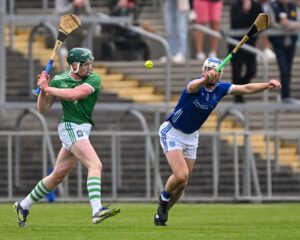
point(85, 152)
point(175, 182)
point(179, 169)
point(65, 162)
point(177, 192)
point(182, 167)
point(180, 150)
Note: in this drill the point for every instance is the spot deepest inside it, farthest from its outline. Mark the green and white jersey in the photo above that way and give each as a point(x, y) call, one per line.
point(78, 111)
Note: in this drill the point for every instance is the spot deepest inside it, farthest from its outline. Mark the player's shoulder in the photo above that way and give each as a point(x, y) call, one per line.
point(94, 76)
point(61, 76)
point(223, 85)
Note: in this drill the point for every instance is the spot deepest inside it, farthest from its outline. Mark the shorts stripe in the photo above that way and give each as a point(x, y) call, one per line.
point(164, 131)
point(70, 132)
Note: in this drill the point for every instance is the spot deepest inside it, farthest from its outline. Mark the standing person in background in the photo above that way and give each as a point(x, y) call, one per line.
point(123, 8)
point(77, 7)
point(242, 15)
point(78, 90)
point(283, 15)
point(207, 11)
point(270, 55)
point(298, 14)
point(192, 14)
point(176, 22)
point(179, 134)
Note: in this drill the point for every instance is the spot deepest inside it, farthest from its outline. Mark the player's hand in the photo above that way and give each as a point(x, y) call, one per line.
point(274, 84)
point(43, 80)
point(212, 76)
point(44, 74)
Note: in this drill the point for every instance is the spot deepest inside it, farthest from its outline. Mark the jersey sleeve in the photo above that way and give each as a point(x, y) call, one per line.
point(226, 88)
point(94, 82)
point(186, 87)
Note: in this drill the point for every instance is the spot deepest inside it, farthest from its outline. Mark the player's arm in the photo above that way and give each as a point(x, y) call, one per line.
point(209, 76)
point(195, 85)
point(252, 88)
point(45, 100)
point(71, 94)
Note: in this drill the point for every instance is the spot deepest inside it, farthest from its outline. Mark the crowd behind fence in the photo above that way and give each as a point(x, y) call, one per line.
point(49, 21)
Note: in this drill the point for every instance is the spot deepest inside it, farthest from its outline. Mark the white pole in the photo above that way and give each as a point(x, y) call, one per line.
point(2, 52)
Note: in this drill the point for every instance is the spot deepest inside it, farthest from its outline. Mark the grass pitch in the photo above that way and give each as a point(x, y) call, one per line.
point(187, 221)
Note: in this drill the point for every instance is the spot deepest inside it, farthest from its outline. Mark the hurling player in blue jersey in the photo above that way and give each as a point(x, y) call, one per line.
point(179, 133)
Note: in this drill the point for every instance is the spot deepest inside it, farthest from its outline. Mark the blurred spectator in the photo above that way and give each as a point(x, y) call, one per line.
point(119, 43)
point(123, 8)
point(207, 11)
point(192, 14)
point(77, 7)
point(176, 22)
point(132, 8)
point(283, 15)
point(242, 15)
point(270, 55)
point(298, 14)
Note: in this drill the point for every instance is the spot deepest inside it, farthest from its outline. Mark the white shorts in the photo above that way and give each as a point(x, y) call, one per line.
point(70, 133)
point(171, 139)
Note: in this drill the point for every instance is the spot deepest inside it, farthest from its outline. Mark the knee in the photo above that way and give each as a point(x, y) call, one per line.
point(95, 167)
point(182, 179)
point(98, 166)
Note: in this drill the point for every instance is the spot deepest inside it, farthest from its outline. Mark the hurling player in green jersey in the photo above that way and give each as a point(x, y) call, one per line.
point(78, 90)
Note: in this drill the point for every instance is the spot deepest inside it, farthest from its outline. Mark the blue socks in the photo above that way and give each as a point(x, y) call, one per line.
point(165, 196)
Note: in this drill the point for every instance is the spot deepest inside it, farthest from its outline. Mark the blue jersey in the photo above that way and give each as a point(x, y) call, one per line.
point(194, 108)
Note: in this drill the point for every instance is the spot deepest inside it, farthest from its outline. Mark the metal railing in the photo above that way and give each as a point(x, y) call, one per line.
point(250, 181)
point(237, 195)
point(150, 156)
point(249, 165)
point(46, 146)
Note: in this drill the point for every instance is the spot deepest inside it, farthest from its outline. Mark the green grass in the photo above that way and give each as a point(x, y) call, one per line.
point(187, 221)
